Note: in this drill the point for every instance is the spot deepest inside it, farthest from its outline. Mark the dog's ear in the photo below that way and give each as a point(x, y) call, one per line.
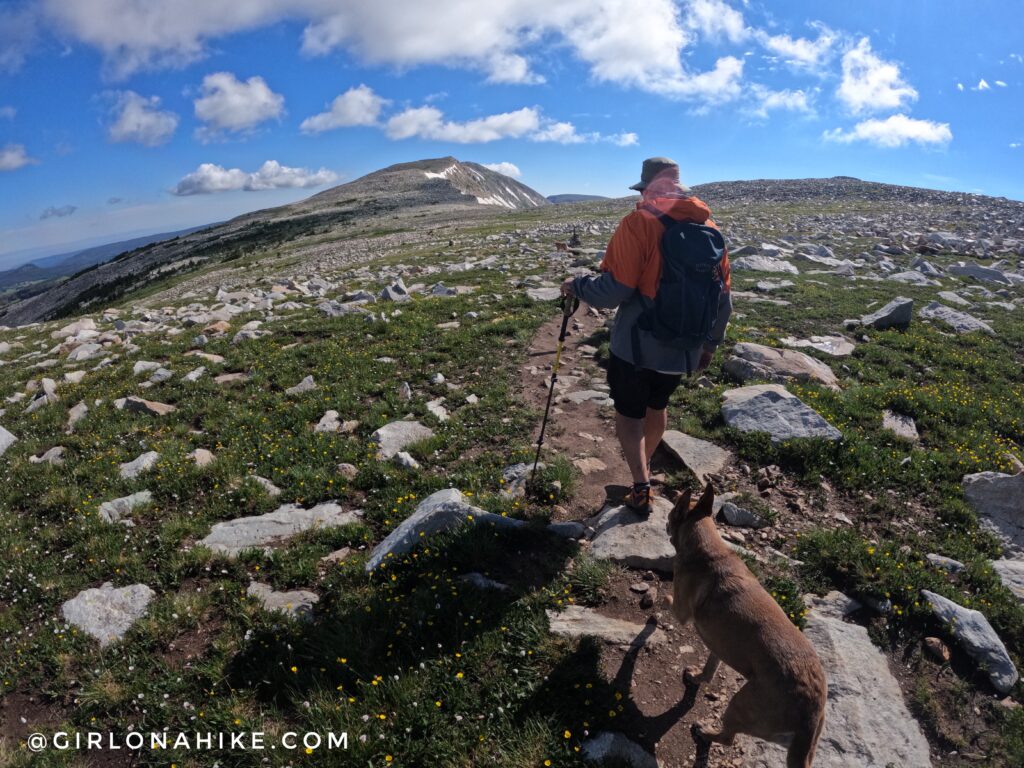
point(706, 503)
point(678, 513)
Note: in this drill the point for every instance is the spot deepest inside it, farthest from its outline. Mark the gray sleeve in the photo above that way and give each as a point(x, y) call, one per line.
point(721, 322)
point(602, 291)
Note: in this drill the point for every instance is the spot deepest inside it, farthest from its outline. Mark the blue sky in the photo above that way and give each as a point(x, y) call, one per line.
point(126, 117)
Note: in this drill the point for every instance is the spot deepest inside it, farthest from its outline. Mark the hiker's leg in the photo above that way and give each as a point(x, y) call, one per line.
point(631, 438)
point(654, 427)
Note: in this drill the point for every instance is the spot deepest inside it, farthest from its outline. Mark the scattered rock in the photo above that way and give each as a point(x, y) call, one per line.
point(578, 621)
point(568, 530)
point(138, 405)
point(1011, 572)
point(297, 604)
point(404, 459)
point(699, 456)
point(900, 425)
point(948, 564)
point(337, 556)
point(615, 748)
point(6, 440)
point(976, 636)
point(837, 346)
point(306, 385)
point(274, 528)
point(742, 518)
point(202, 457)
point(135, 467)
point(961, 322)
point(590, 465)
point(624, 537)
point(763, 264)
point(755, 361)
point(107, 613)
point(398, 435)
point(53, 456)
point(998, 500)
point(896, 314)
point(348, 471)
point(116, 510)
point(773, 409)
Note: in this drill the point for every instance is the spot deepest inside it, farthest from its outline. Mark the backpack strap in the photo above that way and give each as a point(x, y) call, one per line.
point(666, 220)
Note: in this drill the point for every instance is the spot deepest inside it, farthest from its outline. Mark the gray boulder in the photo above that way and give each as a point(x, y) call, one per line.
point(397, 436)
point(900, 425)
point(107, 613)
point(837, 346)
point(896, 314)
point(132, 469)
point(961, 322)
point(742, 518)
point(998, 500)
point(440, 511)
point(624, 537)
point(6, 440)
point(616, 748)
point(306, 385)
point(116, 510)
point(1011, 572)
point(773, 409)
point(763, 264)
point(976, 636)
point(577, 621)
point(867, 724)
point(699, 456)
point(274, 528)
point(756, 361)
point(298, 604)
point(977, 271)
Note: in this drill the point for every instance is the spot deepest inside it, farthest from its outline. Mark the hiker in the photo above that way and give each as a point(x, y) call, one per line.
point(646, 365)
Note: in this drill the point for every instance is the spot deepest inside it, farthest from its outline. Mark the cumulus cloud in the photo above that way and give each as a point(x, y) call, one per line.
point(622, 42)
point(982, 86)
point(139, 119)
point(894, 131)
point(209, 178)
point(228, 105)
point(871, 84)
point(506, 169)
point(716, 20)
point(624, 139)
point(59, 213)
point(1000, 83)
point(356, 106)
point(14, 156)
point(766, 100)
point(801, 52)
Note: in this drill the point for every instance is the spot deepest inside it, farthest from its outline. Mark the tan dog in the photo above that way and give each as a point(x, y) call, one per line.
point(784, 696)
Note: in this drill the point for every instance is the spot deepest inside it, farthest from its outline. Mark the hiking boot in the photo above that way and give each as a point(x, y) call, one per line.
point(640, 500)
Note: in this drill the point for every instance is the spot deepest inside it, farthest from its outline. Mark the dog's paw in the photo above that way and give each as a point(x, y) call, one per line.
point(691, 676)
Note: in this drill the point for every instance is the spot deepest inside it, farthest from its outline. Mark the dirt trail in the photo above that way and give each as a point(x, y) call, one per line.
point(658, 712)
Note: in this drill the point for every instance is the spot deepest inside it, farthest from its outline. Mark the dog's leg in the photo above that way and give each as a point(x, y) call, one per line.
point(690, 676)
point(741, 716)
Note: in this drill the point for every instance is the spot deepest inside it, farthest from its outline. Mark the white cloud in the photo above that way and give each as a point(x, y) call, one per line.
point(13, 157)
point(8, 113)
point(429, 123)
point(58, 213)
point(870, 84)
point(959, 86)
point(716, 20)
point(209, 178)
point(139, 119)
point(506, 169)
point(17, 37)
point(719, 84)
point(624, 139)
point(561, 133)
point(894, 131)
point(356, 106)
point(227, 104)
point(801, 52)
point(767, 100)
point(982, 86)
point(622, 42)
point(1000, 83)
point(1014, 144)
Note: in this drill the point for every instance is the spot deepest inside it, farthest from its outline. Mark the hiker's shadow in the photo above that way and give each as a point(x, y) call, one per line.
point(613, 696)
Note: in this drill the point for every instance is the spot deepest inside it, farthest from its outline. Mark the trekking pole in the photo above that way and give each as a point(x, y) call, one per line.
point(569, 307)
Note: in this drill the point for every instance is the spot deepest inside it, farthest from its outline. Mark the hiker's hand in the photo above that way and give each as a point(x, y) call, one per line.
point(705, 358)
point(567, 288)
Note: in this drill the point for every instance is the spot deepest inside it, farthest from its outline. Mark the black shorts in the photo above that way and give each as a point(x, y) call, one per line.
point(634, 390)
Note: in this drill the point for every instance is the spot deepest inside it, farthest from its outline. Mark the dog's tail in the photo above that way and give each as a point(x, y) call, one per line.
point(805, 742)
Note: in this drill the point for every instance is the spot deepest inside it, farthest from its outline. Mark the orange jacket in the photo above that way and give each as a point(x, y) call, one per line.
point(633, 255)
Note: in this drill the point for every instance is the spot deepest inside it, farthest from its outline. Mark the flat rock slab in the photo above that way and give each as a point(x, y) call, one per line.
point(132, 469)
point(544, 294)
point(578, 621)
point(264, 531)
point(773, 409)
point(621, 535)
point(896, 314)
point(115, 510)
point(298, 603)
point(764, 264)
point(440, 511)
point(617, 749)
point(998, 500)
point(1011, 572)
point(6, 440)
point(976, 636)
point(397, 436)
point(699, 456)
point(108, 612)
point(867, 724)
point(756, 361)
point(900, 425)
point(138, 405)
point(837, 346)
point(961, 322)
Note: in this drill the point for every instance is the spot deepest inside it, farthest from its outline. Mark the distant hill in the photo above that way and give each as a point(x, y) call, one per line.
point(571, 198)
point(32, 275)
